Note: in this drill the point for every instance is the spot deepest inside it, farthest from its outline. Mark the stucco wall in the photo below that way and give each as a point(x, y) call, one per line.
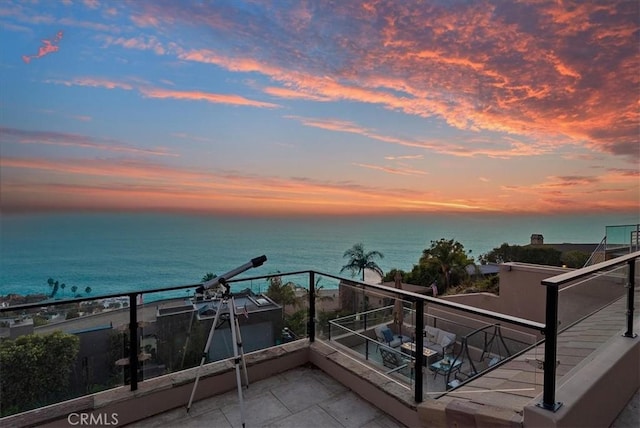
point(522, 294)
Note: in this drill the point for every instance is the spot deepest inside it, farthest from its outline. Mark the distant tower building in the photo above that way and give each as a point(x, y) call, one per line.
point(537, 239)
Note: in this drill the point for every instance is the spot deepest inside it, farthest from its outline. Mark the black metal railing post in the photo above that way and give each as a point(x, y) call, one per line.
point(631, 285)
point(550, 350)
point(311, 325)
point(133, 340)
point(419, 345)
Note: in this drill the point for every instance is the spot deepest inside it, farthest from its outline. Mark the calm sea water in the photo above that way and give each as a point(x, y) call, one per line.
point(114, 253)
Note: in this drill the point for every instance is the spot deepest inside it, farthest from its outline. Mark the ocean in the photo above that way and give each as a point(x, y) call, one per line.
point(117, 252)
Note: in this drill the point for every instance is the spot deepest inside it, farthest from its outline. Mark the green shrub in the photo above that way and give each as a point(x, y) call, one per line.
point(35, 370)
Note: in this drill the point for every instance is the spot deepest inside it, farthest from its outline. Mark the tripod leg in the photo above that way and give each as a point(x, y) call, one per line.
point(235, 335)
point(241, 350)
point(204, 354)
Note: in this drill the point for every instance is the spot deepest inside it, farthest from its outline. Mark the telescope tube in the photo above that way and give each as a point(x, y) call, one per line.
point(255, 262)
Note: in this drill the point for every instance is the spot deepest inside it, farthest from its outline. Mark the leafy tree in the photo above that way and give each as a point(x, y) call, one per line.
point(35, 370)
point(359, 261)
point(574, 258)
point(73, 313)
point(524, 254)
point(282, 293)
point(39, 320)
point(323, 328)
point(297, 322)
point(502, 254)
point(444, 262)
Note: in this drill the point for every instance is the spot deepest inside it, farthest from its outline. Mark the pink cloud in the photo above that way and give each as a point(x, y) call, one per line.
point(13, 135)
point(139, 43)
point(91, 4)
point(48, 46)
point(93, 82)
point(145, 21)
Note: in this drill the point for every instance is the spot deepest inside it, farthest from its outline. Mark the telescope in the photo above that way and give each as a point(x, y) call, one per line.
point(222, 279)
point(238, 351)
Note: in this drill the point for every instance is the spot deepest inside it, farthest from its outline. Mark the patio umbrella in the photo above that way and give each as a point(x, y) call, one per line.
point(398, 310)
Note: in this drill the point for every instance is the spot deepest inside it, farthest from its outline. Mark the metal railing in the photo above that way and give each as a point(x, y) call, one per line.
point(419, 302)
point(551, 317)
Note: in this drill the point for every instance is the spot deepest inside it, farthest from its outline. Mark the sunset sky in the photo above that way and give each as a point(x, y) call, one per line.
point(274, 107)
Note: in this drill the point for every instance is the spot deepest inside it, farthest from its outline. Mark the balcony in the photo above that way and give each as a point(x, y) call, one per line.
point(503, 376)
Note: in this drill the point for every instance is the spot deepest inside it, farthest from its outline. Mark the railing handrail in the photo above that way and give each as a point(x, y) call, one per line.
point(563, 278)
point(127, 293)
point(601, 248)
point(551, 318)
point(522, 322)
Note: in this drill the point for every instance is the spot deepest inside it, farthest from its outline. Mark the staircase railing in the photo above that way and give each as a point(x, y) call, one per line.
point(599, 254)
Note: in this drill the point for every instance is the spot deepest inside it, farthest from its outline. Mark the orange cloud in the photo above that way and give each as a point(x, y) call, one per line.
point(511, 147)
point(204, 96)
point(29, 183)
point(407, 157)
point(396, 171)
point(48, 46)
point(134, 184)
point(565, 193)
point(160, 93)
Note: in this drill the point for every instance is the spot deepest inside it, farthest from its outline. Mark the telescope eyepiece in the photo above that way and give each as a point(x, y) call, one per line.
point(258, 261)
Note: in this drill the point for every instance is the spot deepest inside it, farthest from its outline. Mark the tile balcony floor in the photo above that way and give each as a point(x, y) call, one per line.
point(302, 397)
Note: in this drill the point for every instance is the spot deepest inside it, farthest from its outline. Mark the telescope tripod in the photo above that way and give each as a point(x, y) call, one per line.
point(238, 351)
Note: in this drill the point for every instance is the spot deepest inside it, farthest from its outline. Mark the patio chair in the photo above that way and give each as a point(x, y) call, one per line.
point(394, 360)
point(386, 336)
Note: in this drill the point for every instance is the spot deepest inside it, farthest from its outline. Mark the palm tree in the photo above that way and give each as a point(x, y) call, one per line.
point(359, 261)
point(208, 276)
point(87, 290)
point(74, 289)
point(319, 295)
point(282, 293)
point(55, 286)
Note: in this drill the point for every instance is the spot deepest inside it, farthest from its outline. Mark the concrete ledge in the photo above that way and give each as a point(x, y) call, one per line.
point(451, 412)
point(593, 394)
point(377, 389)
point(163, 393)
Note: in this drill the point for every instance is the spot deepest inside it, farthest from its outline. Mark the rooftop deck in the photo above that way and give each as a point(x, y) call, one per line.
point(307, 396)
point(301, 397)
